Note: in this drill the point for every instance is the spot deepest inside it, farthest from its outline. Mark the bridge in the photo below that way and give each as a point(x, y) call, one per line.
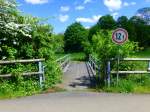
point(77, 75)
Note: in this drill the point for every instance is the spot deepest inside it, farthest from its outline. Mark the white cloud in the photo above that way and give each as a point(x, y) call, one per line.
point(113, 5)
point(87, 27)
point(64, 8)
point(37, 1)
point(115, 14)
point(126, 4)
point(80, 7)
point(87, 1)
point(63, 18)
point(94, 19)
point(133, 3)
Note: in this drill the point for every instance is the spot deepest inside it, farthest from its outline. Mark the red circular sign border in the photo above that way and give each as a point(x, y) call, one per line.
point(120, 29)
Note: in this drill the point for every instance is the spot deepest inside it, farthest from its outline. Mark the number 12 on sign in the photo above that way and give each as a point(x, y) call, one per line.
point(120, 36)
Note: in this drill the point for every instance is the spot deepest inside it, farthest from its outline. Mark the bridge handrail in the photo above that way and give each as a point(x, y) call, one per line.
point(109, 71)
point(20, 61)
point(94, 65)
point(61, 58)
point(64, 62)
point(40, 68)
point(132, 59)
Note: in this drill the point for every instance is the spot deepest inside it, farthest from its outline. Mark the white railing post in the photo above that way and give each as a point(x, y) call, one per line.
point(148, 69)
point(41, 74)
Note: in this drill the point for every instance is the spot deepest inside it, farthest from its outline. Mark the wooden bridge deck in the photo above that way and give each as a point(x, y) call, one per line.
point(77, 77)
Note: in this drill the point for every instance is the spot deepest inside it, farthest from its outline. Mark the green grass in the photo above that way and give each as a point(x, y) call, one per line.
point(78, 56)
point(131, 84)
point(142, 54)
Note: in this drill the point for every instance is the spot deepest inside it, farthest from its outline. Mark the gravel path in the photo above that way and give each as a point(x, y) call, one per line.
point(78, 102)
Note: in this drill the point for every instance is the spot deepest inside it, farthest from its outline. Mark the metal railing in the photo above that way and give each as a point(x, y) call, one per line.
point(109, 71)
point(64, 62)
point(94, 66)
point(40, 71)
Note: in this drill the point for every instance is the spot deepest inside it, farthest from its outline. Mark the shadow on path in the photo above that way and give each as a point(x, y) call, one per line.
point(77, 77)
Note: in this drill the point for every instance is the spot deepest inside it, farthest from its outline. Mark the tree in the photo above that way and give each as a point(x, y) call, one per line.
point(74, 37)
point(137, 20)
point(107, 22)
point(58, 42)
point(11, 29)
point(122, 22)
point(93, 30)
point(138, 31)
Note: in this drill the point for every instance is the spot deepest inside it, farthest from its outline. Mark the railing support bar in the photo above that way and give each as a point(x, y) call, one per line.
point(108, 73)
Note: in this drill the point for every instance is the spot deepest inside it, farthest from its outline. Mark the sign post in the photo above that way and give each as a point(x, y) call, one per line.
point(119, 37)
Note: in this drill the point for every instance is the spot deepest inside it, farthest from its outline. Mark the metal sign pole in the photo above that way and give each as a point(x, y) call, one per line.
point(119, 37)
point(118, 61)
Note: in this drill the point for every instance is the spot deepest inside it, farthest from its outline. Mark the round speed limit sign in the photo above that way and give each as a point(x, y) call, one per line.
point(120, 36)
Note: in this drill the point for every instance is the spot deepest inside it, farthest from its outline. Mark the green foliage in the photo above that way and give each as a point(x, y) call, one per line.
point(104, 49)
point(137, 28)
point(58, 43)
point(124, 86)
point(107, 22)
point(142, 53)
point(53, 73)
point(26, 37)
point(18, 85)
point(74, 37)
point(25, 88)
point(93, 30)
point(78, 56)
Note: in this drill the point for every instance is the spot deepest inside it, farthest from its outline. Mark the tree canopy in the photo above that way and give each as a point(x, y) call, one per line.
point(107, 22)
point(74, 37)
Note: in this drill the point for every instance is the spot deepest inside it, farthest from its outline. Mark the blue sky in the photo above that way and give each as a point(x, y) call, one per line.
point(62, 13)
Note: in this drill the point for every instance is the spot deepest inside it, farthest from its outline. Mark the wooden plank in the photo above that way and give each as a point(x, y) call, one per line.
point(24, 74)
point(130, 72)
point(133, 59)
point(136, 59)
point(21, 61)
point(5, 75)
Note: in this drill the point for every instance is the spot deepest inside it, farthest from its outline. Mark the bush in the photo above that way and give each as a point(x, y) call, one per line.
point(104, 49)
point(26, 37)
